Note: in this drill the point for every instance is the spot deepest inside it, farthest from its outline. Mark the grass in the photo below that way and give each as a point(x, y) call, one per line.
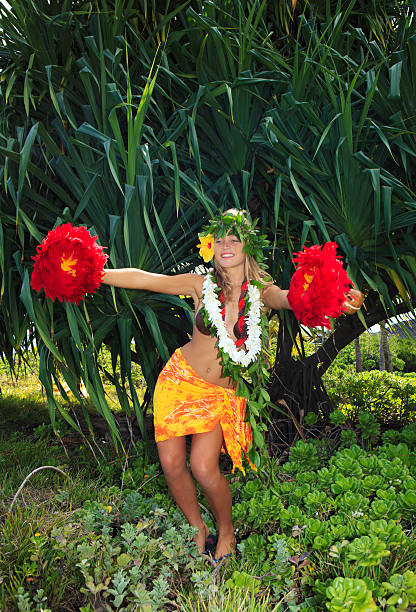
point(22, 398)
point(47, 502)
point(234, 600)
point(22, 402)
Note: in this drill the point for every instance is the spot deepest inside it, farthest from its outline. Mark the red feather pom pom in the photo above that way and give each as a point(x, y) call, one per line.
point(68, 264)
point(318, 287)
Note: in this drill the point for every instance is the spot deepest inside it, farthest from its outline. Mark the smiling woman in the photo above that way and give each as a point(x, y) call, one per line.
point(201, 390)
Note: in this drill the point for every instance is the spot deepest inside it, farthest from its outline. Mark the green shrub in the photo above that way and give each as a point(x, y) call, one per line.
point(304, 455)
point(404, 349)
point(389, 397)
point(367, 551)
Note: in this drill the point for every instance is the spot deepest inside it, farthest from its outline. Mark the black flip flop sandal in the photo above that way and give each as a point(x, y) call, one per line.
point(210, 544)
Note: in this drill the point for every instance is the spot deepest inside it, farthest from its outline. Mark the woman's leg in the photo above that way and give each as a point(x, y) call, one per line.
point(172, 454)
point(205, 452)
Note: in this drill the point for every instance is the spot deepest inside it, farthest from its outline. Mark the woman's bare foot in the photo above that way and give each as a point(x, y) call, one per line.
point(226, 544)
point(201, 536)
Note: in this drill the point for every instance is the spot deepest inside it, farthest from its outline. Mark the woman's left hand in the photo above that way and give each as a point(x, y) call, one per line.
point(353, 301)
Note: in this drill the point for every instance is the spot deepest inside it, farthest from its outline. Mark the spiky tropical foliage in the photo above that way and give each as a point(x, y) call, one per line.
point(141, 119)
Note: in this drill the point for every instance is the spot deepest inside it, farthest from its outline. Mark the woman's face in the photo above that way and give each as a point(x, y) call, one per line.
point(228, 251)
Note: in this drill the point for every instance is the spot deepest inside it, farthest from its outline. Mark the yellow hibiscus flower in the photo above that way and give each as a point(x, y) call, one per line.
point(206, 247)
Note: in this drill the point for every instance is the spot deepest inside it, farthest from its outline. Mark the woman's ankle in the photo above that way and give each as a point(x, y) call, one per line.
point(225, 531)
point(200, 537)
point(201, 525)
point(226, 545)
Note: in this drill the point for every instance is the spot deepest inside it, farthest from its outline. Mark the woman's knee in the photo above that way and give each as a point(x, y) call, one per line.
point(173, 467)
point(172, 459)
point(205, 472)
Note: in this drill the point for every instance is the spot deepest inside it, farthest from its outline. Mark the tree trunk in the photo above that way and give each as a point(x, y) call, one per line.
point(358, 356)
point(385, 355)
point(389, 367)
point(296, 386)
point(382, 353)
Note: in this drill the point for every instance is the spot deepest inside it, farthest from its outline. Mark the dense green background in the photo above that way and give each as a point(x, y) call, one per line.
point(140, 119)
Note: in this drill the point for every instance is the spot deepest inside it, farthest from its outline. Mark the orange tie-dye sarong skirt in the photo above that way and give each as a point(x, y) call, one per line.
point(184, 403)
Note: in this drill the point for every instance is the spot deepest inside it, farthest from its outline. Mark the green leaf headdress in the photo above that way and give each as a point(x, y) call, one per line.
point(238, 224)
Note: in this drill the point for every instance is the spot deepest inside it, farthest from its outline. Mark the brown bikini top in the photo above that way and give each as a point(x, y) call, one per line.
point(200, 324)
point(203, 329)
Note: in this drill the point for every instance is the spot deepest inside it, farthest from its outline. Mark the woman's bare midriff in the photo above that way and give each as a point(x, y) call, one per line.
point(201, 355)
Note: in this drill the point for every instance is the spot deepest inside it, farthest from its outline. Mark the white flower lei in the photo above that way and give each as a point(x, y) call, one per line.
point(225, 342)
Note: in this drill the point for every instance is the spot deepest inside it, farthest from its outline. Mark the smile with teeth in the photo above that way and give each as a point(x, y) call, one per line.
point(227, 255)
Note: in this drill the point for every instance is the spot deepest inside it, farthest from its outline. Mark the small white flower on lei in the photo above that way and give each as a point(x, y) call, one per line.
point(225, 342)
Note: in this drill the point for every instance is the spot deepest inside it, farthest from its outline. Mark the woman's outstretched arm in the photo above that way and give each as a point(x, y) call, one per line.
point(276, 298)
point(133, 278)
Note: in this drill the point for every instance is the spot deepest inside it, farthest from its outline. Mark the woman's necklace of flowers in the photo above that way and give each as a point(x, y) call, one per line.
point(226, 344)
point(236, 362)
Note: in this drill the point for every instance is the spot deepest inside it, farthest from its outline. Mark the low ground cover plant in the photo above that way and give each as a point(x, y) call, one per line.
point(331, 528)
point(322, 531)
